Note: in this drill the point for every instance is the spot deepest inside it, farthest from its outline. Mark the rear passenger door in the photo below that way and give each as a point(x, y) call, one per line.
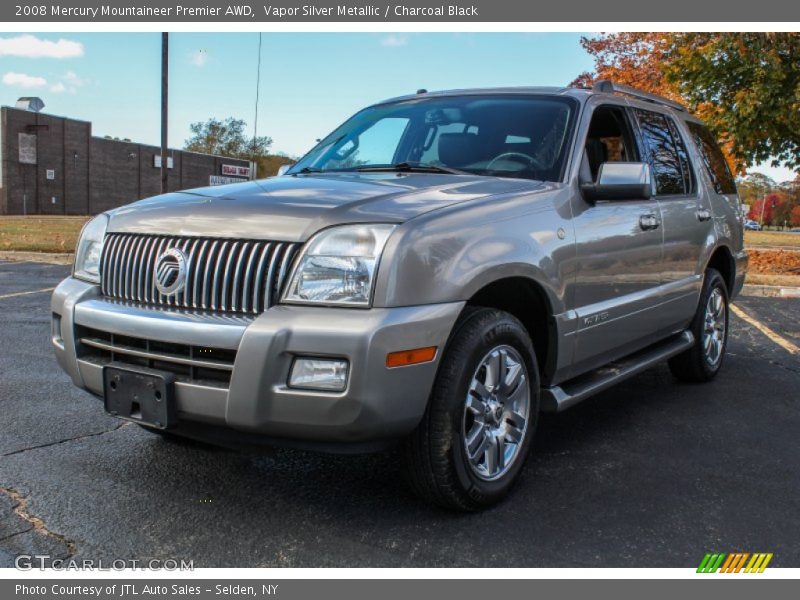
point(685, 214)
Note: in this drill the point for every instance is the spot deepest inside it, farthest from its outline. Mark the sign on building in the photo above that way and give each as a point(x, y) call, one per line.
point(27, 148)
point(236, 171)
point(221, 180)
point(157, 161)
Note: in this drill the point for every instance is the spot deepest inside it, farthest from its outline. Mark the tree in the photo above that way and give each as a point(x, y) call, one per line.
point(755, 186)
point(226, 138)
point(768, 207)
point(746, 86)
point(794, 218)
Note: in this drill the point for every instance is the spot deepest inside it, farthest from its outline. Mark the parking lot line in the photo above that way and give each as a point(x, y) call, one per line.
point(782, 342)
point(15, 294)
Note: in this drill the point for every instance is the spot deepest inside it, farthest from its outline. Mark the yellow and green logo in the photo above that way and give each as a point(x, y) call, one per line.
point(738, 562)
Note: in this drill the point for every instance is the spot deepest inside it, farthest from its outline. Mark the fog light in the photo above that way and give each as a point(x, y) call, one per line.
point(319, 374)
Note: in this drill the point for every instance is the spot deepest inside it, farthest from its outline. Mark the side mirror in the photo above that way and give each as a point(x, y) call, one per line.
point(620, 181)
point(283, 168)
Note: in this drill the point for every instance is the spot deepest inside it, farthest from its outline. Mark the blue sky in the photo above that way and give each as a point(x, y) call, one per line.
point(310, 82)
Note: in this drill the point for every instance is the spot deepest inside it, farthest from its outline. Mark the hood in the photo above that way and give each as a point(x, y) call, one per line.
point(292, 208)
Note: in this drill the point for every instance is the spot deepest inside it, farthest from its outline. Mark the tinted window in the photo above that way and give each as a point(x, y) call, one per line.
point(519, 136)
point(714, 160)
point(683, 157)
point(664, 156)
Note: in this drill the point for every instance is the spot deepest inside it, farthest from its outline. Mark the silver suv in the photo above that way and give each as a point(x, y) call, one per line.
point(434, 273)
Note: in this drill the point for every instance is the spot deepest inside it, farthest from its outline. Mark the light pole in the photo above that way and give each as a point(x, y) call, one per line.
point(164, 104)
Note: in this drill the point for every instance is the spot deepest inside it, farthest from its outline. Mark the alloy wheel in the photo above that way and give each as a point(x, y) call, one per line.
point(496, 413)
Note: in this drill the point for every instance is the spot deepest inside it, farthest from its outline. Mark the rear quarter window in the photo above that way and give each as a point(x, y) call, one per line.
point(713, 159)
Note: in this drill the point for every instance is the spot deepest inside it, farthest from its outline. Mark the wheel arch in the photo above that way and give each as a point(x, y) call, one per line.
point(527, 300)
point(722, 260)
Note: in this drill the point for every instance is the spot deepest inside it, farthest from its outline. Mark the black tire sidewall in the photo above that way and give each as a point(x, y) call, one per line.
point(713, 281)
point(469, 347)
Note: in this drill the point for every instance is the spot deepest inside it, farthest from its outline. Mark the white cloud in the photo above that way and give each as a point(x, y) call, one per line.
point(394, 40)
point(58, 88)
point(198, 58)
point(24, 81)
point(72, 78)
point(30, 46)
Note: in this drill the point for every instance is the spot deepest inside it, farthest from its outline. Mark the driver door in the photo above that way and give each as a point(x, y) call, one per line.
point(619, 251)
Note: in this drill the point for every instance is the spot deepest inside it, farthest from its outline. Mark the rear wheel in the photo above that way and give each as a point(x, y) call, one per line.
point(702, 361)
point(476, 433)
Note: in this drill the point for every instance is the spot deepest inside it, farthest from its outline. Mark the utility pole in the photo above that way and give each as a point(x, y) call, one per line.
point(164, 105)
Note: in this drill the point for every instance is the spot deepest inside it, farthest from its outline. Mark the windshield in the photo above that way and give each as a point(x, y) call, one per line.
point(507, 136)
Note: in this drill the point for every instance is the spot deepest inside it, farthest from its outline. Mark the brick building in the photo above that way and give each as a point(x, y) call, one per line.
point(53, 165)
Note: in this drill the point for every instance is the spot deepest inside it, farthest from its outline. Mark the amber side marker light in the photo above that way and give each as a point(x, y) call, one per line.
point(410, 357)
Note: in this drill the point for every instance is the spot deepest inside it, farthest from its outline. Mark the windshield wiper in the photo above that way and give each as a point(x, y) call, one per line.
point(305, 170)
point(413, 167)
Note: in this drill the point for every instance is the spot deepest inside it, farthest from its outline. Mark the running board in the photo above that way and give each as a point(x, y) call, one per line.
point(560, 397)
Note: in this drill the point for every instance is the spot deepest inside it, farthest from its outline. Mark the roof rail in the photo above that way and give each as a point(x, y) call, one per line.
point(609, 87)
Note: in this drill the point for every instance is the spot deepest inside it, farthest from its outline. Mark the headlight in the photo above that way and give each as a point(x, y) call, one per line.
point(90, 247)
point(338, 266)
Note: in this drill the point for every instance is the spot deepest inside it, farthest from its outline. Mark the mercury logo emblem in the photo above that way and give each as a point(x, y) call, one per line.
point(170, 273)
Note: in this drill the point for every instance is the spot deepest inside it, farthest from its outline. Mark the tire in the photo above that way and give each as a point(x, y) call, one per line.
point(468, 412)
point(703, 360)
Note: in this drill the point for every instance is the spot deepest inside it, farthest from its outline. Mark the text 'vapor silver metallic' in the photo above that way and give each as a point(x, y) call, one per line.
point(237, 276)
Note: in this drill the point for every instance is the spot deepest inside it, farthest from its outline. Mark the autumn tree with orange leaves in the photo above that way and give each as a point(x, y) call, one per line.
point(746, 86)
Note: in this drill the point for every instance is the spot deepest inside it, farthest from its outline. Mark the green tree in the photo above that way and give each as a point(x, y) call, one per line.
point(226, 138)
point(746, 86)
point(755, 186)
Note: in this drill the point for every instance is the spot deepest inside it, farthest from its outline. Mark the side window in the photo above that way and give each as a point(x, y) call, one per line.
point(609, 139)
point(664, 154)
point(713, 159)
point(689, 183)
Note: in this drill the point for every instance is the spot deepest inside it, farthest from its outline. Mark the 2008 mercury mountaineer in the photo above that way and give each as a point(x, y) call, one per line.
point(435, 272)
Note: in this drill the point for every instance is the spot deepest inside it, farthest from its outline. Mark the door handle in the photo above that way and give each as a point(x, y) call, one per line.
point(647, 222)
point(703, 214)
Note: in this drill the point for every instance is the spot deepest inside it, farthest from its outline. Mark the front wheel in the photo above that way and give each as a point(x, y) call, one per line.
point(702, 361)
point(476, 433)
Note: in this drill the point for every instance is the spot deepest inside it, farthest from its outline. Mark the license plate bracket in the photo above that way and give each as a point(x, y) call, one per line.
point(140, 394)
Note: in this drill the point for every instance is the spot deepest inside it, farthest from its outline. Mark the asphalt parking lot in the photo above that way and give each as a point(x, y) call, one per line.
point(652, 473)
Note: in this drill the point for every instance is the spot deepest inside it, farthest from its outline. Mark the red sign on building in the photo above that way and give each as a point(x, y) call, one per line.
point(235, 171)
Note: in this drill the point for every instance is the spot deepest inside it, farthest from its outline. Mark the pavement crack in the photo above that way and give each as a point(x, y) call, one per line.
point(15, 534)
point(65, 440)
point(21, 510)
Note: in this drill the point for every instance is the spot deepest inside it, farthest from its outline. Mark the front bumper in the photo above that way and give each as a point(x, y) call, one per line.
point(379, 404)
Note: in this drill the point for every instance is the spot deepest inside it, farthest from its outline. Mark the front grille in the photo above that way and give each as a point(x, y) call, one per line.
point(238, 276)
point(195, 364)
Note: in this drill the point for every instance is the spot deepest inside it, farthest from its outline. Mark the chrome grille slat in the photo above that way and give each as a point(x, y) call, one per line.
point(218, 276)
point(248, 278)
point(257, 286)
point(155, 297)
point(212, 257)
point(288, 255)
point(226, 278)
point(134, 271)
point(198, 267)
point(268, 283)
point(190, 273)
point(123, 258)
point(238, 276)
point(150, 258)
